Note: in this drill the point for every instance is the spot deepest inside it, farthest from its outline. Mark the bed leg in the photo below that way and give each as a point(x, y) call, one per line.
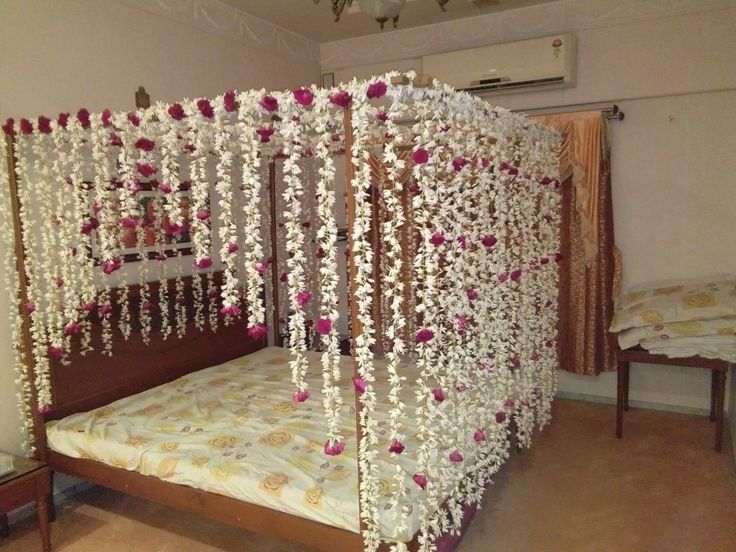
point(621, 399)
point(720, 399)
point(713, 393)
point(52, 502)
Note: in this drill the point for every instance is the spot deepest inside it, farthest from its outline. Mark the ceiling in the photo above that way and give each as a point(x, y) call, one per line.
point(317, 22)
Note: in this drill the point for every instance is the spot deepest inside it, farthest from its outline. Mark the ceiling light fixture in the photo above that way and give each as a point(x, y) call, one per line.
point(380, 10)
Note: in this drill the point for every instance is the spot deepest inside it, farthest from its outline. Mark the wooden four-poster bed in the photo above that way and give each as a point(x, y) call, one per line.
point(483, 182)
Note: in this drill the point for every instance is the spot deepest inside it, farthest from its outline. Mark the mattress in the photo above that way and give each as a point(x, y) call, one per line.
point(233, 430)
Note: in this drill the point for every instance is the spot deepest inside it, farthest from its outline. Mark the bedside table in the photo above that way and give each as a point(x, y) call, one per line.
point(30, 481)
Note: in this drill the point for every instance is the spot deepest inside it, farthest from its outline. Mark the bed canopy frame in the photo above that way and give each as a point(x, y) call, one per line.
point(471, 238)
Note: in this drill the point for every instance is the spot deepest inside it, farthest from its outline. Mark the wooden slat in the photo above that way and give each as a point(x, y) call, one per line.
point(645, 357)
point(315, 535)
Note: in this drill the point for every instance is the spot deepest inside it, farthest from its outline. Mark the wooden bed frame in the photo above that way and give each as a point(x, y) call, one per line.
point(95, 380)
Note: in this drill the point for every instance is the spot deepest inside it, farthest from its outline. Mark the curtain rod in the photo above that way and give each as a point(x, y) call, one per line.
point(612, 112)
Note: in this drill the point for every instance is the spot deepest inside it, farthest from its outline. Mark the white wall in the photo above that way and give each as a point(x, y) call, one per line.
point(673, 71)
point(60, 56)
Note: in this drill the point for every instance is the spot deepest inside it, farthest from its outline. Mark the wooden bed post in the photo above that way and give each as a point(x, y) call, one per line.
point(274, 253)
point(39, 430)
point(355, 325)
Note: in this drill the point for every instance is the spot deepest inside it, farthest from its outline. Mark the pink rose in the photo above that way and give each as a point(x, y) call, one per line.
point(500, 417)
point(420, 156)
point(472, 294)
point(437, 239)
point(146, 305)
point(115, 140)
point(104, 310)
point(44, 125)
point(231, 311)
point(204, 262)
point(228, 101)
point(232, 247)
point(396, 447)
point(176, 111)
point(72, 328)
point(323, 326)
point(134, 119)
point(420, 480)
point(503, 277)
point(145, 144)
point(438, 394)
point(205, 108)
point(63, 119)
point(479, 436)
point(382, 116)
point(164, 188)
point(203, 215)
point(258, 331)
point(456, 457)
point(334, 449)
point(458, 163)
point(269, 103)
point(265, 133)
point(106, 118)
point(56, 352)
point(300, 396)
point(303, 96)
point(376, 89)
point(303, 297)
point(128, 222)
point(463, 241)
point(83, 117)
point(359, 385)
point(424, 335)
point(30, 306)
point(145, 169)
point(26, 127)
point(341, 99)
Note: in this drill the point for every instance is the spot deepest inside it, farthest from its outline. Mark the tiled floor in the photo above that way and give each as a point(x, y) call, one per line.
point(661, 488)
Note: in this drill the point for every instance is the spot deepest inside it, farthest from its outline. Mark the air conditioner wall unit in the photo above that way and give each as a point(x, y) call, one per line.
point(524, 65)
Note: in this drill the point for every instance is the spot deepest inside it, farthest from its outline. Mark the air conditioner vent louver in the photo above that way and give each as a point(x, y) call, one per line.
point(525, 65)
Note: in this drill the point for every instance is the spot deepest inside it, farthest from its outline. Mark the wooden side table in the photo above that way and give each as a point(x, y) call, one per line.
point(718, 368)
point(29, 482)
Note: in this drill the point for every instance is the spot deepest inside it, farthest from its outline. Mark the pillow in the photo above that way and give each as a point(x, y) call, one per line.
point(675, 303)
point(671, 330)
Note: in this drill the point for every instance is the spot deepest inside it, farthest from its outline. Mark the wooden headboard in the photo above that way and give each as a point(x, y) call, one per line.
point(95, 379)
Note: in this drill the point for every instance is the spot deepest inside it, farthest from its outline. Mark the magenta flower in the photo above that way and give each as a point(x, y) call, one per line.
point(463, 241)
point(128, 222)
point(44, 125)
point(461, 388)
point(145, 144)
point(258, 331)
point(456, 457)
point(161, 256)
point(376, 89)
point(420, 480)
point(164, 188)
point(508, 403)
point(56, 352)
point(303, 297)
point(73, 328)
point(323, 326)
point(543, 260)
point(83, 117)
point(300, 396)
point(559, 257)
point(500, 417)
point(115, 140)
point(133, 119)
point(437, 239)
point(461, 321)
point(341, 99)
point(269, 103)
point(334, 449)
point(265, 133)
point(108, 267)
point(420, 156)
point(232, 311)
point(176, 111)
point(472, 294)
point(203, 215)
point(546, 180)
point(180, 299)
point(396, 447)
point(438, 394)
point(424, 335)
point(106, 118)
point(284, 277)
point(58, 282)
point(63, 119)
point(382, 116)
point(45, 409)
point(320, 253)
point(90, 307)
point(30, 306)
point(232, 247)
point(458, 163)
point(8, 127)
point(105, 309)
point(489, 241)
point(261, 268)
point(484, 163)
point(503, 277)
point(146, 305)
point(228, 101)
point(146, 169)
point(513, 171)
point(516, 275)
point(303, 96)
point(204, 262)
point(26, 127)
point(359, 385)
point(479, 436)
point(205, 108)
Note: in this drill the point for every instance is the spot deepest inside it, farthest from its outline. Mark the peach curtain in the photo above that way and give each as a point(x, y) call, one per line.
point(591, 273)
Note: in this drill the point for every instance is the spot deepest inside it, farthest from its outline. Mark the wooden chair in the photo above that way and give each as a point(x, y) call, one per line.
point(718, 368)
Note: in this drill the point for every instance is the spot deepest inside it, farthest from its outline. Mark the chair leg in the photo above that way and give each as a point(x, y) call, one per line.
point(720, 399)
point(4, 529)
point(713, 392)
point(623, 368)
point(626, 385)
